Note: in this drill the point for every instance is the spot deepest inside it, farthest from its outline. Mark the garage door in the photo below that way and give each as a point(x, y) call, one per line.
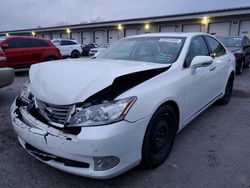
point(191, 28)
point(76, 36)
point(99, 37)
point(167, 29)
point(221, 29)
point(46, 36)
point(245, 28)
point(65, 36)
point(55, 36)
point(130, 32)
point(86, 37)
point(113, 36)
point(39, 36)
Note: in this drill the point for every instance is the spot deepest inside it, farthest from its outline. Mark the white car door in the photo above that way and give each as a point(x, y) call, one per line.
point(199, 86)
point(66, 47)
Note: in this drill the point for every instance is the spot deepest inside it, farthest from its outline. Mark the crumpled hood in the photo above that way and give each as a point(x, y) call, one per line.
point(71, 81)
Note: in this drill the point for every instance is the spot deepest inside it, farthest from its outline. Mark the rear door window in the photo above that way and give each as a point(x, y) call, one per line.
point(67, 43)
point(215, 47)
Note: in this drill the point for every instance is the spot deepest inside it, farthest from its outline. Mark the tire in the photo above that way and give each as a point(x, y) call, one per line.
point(239, 68)
point(228, 92)
point(159, 137)
point(50, 59)
point(75, 54)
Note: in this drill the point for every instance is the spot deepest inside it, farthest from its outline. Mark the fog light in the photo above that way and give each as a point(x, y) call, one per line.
point(105, 163)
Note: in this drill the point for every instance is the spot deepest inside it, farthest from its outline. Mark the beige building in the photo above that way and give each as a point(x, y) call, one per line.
point(227, 22)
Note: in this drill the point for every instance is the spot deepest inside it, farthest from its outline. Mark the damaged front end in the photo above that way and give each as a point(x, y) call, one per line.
point(51, 115)
point(61, 147)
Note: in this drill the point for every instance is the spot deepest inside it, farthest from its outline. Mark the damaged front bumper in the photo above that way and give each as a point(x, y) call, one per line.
point(82, 154)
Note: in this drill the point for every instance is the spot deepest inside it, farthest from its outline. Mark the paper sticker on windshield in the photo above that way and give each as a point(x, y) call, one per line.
point(171, 40)
point(163, 57)
point(237, 38)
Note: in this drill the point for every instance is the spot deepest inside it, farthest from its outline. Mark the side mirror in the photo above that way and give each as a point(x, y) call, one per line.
point(200, 61)
point(4, 46)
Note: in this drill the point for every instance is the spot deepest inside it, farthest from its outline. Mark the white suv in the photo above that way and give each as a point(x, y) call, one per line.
point(68, 48)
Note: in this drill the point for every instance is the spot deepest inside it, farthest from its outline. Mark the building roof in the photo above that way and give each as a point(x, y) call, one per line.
point(217, 13)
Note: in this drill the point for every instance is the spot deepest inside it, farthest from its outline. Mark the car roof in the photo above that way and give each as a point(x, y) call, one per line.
point(13, 36)
point(64, 39)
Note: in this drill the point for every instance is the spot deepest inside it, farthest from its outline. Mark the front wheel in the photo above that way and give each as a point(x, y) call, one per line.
point(228, 92)
point(159, 137)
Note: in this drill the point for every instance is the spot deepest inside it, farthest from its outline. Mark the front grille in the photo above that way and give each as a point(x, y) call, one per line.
point(54, 113)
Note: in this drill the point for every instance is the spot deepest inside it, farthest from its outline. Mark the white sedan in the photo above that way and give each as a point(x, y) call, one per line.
point(99, 118)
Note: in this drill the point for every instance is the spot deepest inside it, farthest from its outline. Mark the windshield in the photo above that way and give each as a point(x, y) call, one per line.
point(231, 41)
point(163, 50)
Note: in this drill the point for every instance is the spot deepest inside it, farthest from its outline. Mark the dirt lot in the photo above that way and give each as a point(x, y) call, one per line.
point(213, 151)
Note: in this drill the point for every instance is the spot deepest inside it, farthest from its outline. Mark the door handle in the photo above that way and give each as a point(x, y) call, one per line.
point(212, 68)
point(229, 60)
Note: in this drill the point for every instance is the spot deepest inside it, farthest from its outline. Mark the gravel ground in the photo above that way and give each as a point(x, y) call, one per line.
point(213, 151)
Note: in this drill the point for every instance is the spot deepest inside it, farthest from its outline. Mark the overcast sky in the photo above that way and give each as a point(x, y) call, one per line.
point(22, 14)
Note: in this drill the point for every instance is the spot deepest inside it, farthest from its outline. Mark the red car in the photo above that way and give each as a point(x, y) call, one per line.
point(22, 52)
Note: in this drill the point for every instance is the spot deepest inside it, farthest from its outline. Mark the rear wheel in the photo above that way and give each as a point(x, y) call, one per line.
point(228, 92)
point(159, 137)
point(75, 54)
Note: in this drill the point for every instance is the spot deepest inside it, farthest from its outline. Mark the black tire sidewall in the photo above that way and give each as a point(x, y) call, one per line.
point(75, 54)
point(226, 98)
point(150, 160)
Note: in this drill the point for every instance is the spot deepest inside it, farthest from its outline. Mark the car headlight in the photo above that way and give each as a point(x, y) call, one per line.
point(25, 92)
point(101, 114)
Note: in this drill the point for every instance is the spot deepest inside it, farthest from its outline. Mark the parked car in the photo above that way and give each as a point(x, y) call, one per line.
point(98, 50)
point(240, 47)
point(6, 76)
point(68, 48)
point(22, 52)
point(87, 48)
point(101, 117)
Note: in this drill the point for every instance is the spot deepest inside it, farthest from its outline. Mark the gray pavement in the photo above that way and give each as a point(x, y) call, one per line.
point(213, 151)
